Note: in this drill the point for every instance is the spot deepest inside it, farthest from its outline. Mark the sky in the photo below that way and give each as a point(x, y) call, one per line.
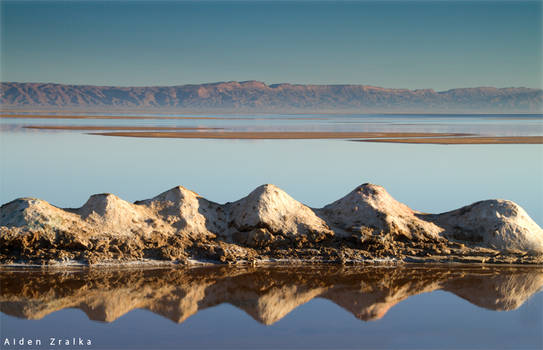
point(397, 44)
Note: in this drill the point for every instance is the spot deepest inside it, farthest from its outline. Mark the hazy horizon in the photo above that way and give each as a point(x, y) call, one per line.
point(405, 45)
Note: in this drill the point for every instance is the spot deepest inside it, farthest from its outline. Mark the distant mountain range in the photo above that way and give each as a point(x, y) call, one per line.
point(255, 96)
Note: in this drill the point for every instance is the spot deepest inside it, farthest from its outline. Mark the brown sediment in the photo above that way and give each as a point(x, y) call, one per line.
point(274, 135)
point(118, 127)
point(471, 140)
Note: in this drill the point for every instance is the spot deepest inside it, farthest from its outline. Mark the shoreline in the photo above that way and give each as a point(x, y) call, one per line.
point(410, 261)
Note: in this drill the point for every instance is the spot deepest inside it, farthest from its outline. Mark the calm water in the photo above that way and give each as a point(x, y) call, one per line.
point(501, 125)
point(319, 307)
point(66, 167)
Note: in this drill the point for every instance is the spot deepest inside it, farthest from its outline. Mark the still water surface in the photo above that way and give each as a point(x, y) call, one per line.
point(488, 124)
point(289, 307)
point(443, 308)
point(66, 167)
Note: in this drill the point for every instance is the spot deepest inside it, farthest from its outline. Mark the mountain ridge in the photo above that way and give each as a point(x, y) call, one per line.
point(255, 95)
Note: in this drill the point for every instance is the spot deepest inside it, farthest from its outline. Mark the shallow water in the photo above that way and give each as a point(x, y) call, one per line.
point(326, 308)
point(66, 167)
point(487, 124)
point(284, 307)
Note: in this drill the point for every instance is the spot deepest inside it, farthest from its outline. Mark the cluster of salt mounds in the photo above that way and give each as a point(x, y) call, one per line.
point(178, 225)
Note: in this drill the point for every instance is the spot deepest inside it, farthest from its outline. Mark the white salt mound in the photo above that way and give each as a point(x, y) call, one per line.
point(369, 210)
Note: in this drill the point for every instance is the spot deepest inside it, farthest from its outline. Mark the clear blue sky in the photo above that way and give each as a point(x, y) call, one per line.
point(408, 44)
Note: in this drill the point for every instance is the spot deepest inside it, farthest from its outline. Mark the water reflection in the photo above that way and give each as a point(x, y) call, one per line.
point(266, 294)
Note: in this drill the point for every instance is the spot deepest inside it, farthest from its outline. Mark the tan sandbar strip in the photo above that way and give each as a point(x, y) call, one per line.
point(119, 127)
point(250, 135)
point(61, 116)
point(477, 140)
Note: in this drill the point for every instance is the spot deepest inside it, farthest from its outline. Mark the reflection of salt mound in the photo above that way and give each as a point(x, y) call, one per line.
point(272, 305)
point(270, 208)
point(503, 292)
point(265, 294)
point(369, 308)
point(371, 209)
point(498, 224)
point(371, 301)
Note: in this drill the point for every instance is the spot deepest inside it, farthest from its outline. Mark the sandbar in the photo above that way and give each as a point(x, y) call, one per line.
point(109, 127)
point(274, 135)
point(128, 117)
point(472, 140)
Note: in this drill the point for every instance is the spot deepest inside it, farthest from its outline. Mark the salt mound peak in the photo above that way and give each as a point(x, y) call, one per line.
point(373, 196)
point(26, 212)
point(497, 223)
point(12, 213)
point(269, 193)
point(102, 204)
point(370, 209)
point(186, 212)
point(175, 195)
point(29, 215)
point(271, 208)
point(112, 215)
